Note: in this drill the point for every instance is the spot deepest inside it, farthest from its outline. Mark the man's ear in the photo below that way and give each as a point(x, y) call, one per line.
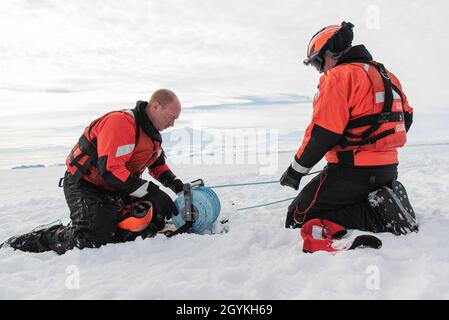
point(154, 105)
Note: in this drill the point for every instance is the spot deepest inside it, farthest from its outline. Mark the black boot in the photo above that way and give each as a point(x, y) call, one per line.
point(29, 242)
point(56, 237)
point(394, 208)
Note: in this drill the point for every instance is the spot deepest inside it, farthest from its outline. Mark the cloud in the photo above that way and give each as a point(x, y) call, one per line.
point(223, 48)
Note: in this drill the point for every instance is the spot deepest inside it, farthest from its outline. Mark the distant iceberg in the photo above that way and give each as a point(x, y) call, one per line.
point(29, 166)
point(32, 166)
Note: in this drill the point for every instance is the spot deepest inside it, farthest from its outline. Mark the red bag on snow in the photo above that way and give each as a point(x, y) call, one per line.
point(320, 235)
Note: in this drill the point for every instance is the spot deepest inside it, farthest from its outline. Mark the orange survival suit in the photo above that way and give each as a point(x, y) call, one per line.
point(109, 202)
point(360, 119)
point(114, 151)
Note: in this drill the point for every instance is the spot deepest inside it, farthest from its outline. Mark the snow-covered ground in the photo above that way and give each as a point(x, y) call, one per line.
point(257, 259)
point(236, 68)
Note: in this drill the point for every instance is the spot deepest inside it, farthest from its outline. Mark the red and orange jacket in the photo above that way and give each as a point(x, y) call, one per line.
point(115, 149)
point(350, 97)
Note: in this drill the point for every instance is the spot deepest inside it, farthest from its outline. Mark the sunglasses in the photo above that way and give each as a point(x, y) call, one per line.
point(316, 60)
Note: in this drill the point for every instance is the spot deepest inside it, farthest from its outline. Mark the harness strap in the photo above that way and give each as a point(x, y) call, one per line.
point(371, 140)
point(388, 102)
point(303, 214)
point(89, 149)
point(368, 120)
point(375, 120)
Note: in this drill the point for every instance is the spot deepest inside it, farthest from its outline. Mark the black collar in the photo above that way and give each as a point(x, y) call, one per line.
point(356, 54)
point(144, 122)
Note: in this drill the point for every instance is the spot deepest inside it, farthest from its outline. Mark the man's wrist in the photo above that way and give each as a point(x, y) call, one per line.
point(176, 185)
point(294, 174)
point(152, 188)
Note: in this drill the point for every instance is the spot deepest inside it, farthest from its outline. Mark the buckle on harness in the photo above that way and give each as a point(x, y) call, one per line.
point(383, 72)
point(384, 117)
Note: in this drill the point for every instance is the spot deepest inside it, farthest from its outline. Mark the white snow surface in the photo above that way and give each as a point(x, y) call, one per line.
point(257, 259)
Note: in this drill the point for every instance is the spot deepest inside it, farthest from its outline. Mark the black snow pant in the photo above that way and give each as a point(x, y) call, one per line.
point(339, 194)
point(94, 214)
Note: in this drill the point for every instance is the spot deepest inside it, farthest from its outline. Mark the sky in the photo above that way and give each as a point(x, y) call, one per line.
point(210, 49)
point(64, 63)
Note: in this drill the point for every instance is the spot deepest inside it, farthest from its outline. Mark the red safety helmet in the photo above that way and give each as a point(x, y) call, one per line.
point(136, 217)
point(335, 39)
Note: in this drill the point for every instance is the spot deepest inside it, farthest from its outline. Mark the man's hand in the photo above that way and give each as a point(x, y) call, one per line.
point(169, 180)
point(163, 209)
point(291, 178)
point(161, 201)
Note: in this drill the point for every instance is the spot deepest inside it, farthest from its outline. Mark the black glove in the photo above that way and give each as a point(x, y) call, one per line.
point(291, 178)
point(161, 201)
point(163, 207)
point(169, 180)
point(176, 186)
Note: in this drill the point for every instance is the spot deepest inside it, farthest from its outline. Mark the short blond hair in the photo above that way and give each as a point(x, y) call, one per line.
point(163, 96)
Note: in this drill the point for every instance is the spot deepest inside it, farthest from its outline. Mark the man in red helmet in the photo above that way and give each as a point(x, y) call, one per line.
point(360, 119)
point(109, 202)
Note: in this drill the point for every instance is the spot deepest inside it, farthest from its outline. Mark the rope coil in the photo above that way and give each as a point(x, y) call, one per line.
point(206, 208)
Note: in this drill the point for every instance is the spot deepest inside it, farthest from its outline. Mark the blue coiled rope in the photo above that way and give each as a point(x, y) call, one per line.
point(207, 206)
